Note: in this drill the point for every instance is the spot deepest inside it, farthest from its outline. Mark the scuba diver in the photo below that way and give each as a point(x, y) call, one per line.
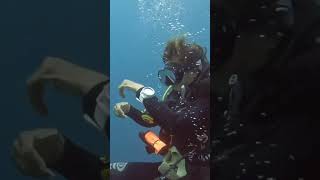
point(183, 115)
point(265, 72)
point(40, 152)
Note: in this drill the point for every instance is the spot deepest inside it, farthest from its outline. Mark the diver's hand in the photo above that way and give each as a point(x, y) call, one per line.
point(34, 151)
point(127, 84)
point(65, 76)
point(121, 109)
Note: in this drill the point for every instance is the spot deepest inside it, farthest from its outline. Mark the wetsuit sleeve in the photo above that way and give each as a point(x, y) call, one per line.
point(165, 117)
point(78, 164)
point(96, 106)
point(142, 118)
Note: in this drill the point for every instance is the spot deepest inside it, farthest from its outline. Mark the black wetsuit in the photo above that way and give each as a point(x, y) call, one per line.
point(267, 122)
point(185, 124)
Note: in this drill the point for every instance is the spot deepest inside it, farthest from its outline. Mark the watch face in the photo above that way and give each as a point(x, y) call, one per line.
point(148, 91)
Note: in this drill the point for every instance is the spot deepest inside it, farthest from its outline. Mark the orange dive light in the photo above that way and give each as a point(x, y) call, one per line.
point(154, 141)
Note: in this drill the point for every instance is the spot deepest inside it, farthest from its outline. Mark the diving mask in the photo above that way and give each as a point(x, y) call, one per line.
point(173, 73)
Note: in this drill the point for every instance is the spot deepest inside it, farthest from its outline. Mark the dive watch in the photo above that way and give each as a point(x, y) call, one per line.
point(145, 93)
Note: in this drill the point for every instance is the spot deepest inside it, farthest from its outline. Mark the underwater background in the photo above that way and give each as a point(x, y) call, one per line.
point(139, 30)
point(76, 30)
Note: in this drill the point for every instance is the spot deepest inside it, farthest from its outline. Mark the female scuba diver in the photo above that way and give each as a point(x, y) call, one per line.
point(183, 116)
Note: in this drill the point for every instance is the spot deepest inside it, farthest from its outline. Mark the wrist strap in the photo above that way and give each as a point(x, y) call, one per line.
point(138, 93)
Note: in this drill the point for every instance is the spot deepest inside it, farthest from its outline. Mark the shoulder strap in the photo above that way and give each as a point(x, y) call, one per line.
point(167, 93)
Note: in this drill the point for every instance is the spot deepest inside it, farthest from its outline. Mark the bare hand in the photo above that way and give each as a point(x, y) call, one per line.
point(121, 109)
point(127, 84)
point(65, 76)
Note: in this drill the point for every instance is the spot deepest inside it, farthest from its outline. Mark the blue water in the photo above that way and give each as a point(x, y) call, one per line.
point(30, 30)
point(139, 30)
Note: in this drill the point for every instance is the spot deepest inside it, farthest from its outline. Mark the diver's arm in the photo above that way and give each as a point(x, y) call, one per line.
point(141, 118)
point(95, 106)
point(77, 163)
point(66, 77)
point(39, 151)
point(165, 117)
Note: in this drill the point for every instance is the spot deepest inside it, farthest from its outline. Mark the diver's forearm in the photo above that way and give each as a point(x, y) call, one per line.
point(95, 106)
point(78, 164)
point(89, 100)
point(160, 111)
point(137, 116)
